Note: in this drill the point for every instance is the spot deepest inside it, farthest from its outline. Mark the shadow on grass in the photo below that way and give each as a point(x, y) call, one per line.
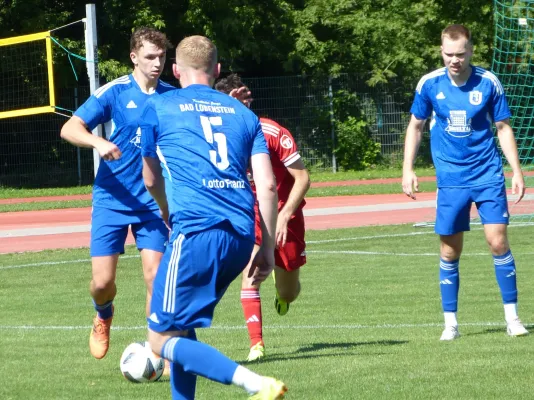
point(316, 347)
point(489, 331)
point(348, 346)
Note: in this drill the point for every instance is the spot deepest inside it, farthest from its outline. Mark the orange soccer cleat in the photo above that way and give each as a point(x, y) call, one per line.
point(99, 338)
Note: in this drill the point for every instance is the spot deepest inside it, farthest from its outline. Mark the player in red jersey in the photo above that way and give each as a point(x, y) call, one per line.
point(293, 181)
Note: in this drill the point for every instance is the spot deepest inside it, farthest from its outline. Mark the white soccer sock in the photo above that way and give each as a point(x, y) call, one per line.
point(450, 319)
point(247, 379)
point(510, 312)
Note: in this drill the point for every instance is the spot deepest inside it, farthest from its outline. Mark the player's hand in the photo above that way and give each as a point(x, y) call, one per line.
point(108, 151)
point(262, 266)
point(281, 229)
point(518, 186)
point(242, 94)
point(410, 185)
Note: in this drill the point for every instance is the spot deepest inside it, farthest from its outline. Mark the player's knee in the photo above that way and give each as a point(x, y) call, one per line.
point(289, 293)
point(156, 341)
point(499, 245)
point(149, 279)
point(102, 285)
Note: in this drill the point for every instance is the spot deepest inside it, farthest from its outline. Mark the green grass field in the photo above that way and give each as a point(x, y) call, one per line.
point(366, 325)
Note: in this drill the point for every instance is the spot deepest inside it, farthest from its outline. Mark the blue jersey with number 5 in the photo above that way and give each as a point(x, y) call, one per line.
point(204, 140)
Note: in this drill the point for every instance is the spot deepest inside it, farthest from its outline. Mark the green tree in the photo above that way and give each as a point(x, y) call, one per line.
point(384, 39)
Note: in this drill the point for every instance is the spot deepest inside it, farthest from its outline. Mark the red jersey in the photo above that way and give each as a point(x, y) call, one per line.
point(283, 152)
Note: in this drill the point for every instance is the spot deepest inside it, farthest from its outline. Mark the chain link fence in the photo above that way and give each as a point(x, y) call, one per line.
point(32, 153)
point(309, 107)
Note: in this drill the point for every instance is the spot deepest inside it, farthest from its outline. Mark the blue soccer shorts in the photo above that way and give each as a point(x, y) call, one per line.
point(454, 207)
point(194, 274)
point(109, 229)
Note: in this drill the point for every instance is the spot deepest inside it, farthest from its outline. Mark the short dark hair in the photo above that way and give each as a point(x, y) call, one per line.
point(455, 32)
point(231, 82)
point(150, 35)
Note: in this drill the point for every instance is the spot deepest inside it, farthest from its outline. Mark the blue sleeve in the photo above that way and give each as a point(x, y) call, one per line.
point(96, 110)
point(149, 125)
point(422, 106)
point(258, 145)
point(500, 110)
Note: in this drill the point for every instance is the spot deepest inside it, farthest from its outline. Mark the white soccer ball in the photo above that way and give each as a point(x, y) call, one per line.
point(139, 364)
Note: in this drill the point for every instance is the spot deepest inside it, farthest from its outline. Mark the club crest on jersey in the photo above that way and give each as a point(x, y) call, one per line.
point(475, 97)
point(136, 141)
point(286, 142)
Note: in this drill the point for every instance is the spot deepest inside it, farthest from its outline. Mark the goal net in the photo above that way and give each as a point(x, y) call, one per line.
point(513, 63)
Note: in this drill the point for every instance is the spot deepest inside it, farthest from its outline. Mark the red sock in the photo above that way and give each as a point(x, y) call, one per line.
point(251, 302)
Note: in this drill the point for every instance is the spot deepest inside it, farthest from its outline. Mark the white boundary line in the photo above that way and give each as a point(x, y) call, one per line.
point(369, 237)
point(42, 264)
point(393, 235)
point(379, 253)
point(356, 238)
point(358, 252)
point(243, 327)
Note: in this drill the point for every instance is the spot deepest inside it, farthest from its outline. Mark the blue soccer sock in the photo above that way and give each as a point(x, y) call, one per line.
point(104, 311)
point(506, 278)
point(449, 284)
point(183, 384)
point(199, 359)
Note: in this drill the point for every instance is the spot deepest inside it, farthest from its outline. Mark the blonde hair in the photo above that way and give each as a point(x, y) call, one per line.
point(455, 32)
point(197, 52)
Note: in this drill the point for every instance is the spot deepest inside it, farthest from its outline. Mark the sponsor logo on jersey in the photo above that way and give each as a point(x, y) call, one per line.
point(458, 125)
point(131, 104)
point(286, 142)
point(440, 96)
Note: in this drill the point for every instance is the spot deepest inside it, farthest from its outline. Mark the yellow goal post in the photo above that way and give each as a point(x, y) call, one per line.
point(33, 109)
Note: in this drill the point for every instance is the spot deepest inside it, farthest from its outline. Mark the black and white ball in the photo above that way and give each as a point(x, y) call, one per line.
point(139, 364)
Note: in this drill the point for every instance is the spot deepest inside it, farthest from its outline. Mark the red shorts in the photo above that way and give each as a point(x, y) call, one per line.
point(293, 255)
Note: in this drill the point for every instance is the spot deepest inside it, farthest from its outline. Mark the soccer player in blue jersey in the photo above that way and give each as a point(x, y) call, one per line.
point(120, 199)
point(197, 144)
point(463, 102)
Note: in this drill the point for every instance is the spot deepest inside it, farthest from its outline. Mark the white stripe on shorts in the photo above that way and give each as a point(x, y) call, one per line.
point(172, 274)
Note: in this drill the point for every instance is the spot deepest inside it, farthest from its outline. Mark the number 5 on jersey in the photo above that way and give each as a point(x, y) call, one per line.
point(222, 150)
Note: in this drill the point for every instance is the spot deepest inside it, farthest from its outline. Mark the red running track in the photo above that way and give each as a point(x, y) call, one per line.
point(334, 218)
point(322, 213)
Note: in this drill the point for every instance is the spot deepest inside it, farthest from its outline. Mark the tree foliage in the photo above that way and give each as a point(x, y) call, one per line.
point(377, 39)
point(384, 39)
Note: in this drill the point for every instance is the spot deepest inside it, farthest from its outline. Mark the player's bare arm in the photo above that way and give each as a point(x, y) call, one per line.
point(268, 205)
point(300, 187)
point(508, 144)
point(76, 132)
point(414, 133)
point(155, 185)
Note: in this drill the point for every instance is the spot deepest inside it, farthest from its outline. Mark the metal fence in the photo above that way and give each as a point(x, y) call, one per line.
point(304, 105)
point(33, 155)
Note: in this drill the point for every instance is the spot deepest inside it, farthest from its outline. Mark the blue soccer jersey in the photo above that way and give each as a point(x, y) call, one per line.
point(119, 184)
point(204, 140)
point(461, 135)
